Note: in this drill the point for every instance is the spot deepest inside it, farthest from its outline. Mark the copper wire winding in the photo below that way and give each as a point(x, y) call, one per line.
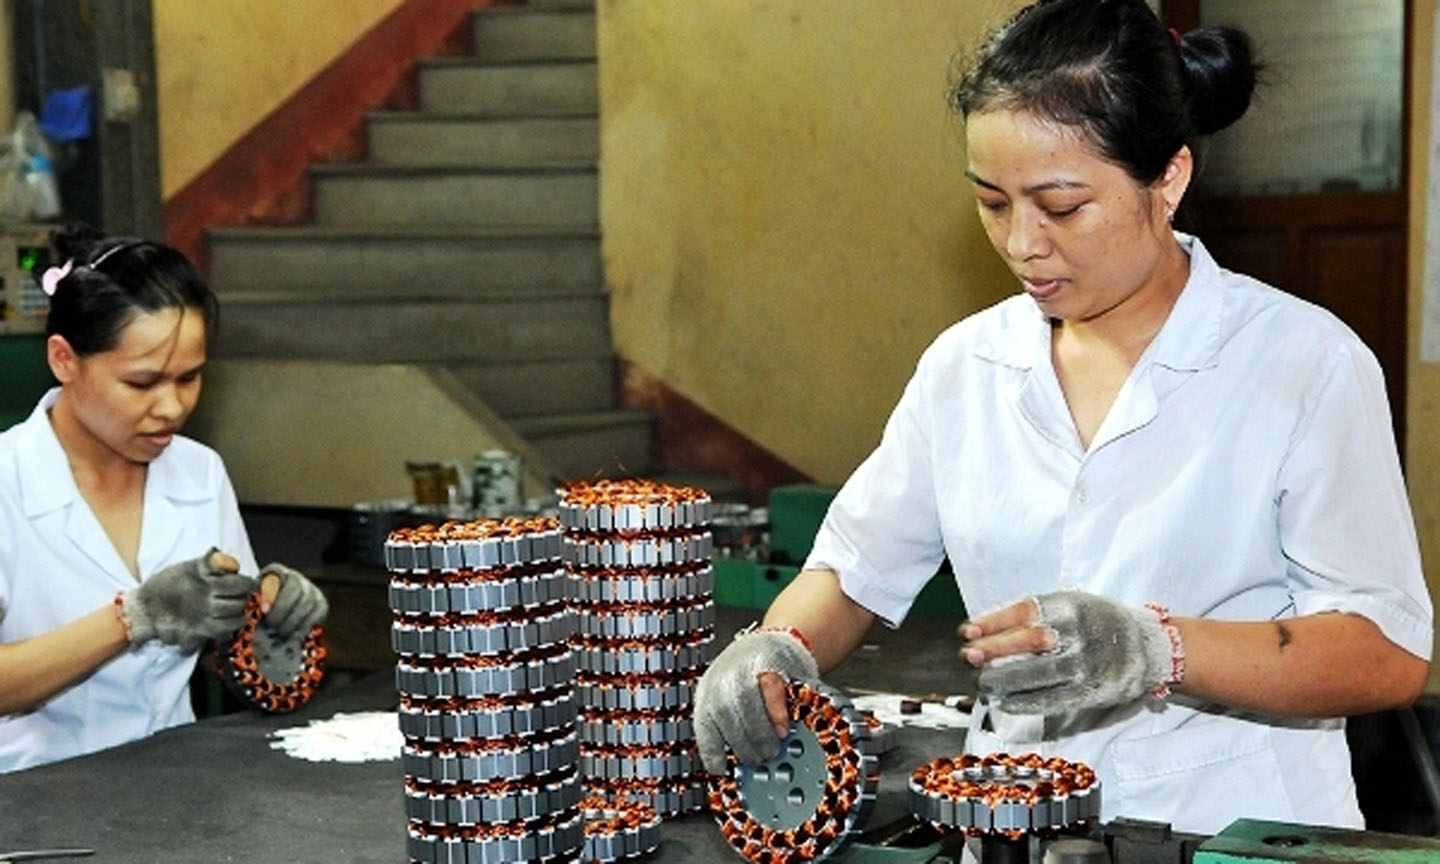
point(849, 780)
point(978, 788)
point(241, 668)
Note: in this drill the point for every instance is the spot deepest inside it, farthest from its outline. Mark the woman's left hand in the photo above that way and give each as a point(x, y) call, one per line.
point(1069, 650)
point(290, 602)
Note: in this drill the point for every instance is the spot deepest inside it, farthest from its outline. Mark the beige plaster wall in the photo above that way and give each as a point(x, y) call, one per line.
point(222, 65)
point(1422, 444)
point(786, 221)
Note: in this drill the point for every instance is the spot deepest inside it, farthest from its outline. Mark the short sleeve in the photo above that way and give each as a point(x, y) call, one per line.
point(1346, 528)
point(881, 535)
point(7, 559)
point(233, 540)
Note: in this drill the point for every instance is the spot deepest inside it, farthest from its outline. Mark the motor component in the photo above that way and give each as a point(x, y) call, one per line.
point(809, 800)
point(266, 671)
point(1004, 794)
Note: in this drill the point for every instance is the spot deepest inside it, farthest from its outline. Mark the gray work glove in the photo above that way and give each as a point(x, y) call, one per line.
point(1105, 654)
point(298, 606)
point(728, 706)
point(187, 604)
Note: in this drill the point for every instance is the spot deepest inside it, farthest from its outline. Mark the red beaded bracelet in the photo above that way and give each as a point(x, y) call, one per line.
point(119, 603)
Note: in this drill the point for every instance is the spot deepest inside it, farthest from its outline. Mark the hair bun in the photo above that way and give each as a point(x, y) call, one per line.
point(73, 242)
point(1220, 64)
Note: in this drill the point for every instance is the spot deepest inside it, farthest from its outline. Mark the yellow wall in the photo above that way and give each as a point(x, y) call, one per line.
point(1422, 457)
point(222, 65)
point(786, 220)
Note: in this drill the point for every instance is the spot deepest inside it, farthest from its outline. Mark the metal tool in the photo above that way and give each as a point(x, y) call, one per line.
point(43, 854)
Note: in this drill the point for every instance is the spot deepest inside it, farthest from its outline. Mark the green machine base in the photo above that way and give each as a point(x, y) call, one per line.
point(1253, 841)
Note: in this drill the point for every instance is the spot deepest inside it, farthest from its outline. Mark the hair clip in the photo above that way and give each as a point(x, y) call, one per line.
point(50, 280)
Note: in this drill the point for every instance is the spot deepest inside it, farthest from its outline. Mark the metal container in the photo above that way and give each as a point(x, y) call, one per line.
point(497, 481)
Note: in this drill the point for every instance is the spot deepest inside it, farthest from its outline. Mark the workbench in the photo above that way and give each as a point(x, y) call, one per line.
point(216, 791)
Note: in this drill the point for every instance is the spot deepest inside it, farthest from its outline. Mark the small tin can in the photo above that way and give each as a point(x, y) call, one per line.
point(496, 490)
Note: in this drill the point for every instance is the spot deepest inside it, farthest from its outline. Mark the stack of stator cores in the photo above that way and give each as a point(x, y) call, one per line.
point(641, 581)
point(482, 625)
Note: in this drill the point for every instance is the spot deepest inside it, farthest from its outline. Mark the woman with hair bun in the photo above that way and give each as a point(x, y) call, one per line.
point(1172, 491)
point(121, 545)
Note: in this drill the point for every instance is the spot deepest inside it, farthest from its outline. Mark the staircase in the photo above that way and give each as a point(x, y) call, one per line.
point(468, 239)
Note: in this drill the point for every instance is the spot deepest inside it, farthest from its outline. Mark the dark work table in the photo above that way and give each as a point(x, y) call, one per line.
point(216, 791)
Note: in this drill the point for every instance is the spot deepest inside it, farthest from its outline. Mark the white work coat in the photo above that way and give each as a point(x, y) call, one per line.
point(1246, 470)
point(57, 565)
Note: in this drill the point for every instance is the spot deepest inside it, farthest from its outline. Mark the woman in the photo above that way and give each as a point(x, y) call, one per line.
point(121, 545)
point(1138, 426)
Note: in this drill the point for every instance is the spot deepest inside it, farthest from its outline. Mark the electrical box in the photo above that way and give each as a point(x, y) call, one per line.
point(24, 256)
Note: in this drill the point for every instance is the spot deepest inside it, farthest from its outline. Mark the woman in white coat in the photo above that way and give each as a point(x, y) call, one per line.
point(121, 544)
point(1173, 490)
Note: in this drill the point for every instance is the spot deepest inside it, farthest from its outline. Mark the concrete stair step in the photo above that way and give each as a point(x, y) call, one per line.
point(534, 33)
point(516, 389)
point(399, 330)
point(416, 261)
point(593, 444)
point(417, 138)
point(563, 194)
point(460, 85)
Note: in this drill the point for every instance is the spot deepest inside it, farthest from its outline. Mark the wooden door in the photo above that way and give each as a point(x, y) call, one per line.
point(1337, 244)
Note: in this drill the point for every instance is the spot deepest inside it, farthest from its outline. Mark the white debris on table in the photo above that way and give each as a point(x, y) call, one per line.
point(933, 715)
point(364, 736)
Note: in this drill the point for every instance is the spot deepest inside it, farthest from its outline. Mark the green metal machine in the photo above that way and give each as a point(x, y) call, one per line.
point(795, 516)
point(1253, 841)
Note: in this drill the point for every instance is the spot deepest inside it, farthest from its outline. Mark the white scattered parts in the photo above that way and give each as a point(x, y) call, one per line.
point(365, 736)
point(933, 715)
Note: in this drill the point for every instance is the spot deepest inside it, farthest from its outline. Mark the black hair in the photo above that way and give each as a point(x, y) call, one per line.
point(1108, 68)
point(113, 279)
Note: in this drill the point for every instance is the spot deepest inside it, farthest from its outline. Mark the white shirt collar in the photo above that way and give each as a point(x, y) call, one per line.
point(47, 484)
point(1189, 340)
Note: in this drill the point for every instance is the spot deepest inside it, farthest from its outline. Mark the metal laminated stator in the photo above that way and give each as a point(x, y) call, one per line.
point(481, 545)
point(808, 801)
point(639, 550)
point(267, 671)
point(631, 505)
point(479, 676)
point(491, 755)
point(685, 653)
point(618, 729)
point(642, 585)
point(636, 692)
point(557, 837)
point(489, 802)
point(647, 620)
point(616, 829)
point(482, 633)
point(639, 558)
point(1004, 794)
point(669, 797)
point(471, 591)
point(491, 717)
point(667, 761)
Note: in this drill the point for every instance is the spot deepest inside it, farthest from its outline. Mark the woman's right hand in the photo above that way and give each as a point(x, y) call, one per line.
point(741, 702)
point(188, 604)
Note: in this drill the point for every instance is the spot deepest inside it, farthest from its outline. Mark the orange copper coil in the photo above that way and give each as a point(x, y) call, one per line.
point(478, 529)
point(240, 666)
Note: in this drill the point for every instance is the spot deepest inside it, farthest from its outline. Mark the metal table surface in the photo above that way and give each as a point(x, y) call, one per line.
point(216, 790)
